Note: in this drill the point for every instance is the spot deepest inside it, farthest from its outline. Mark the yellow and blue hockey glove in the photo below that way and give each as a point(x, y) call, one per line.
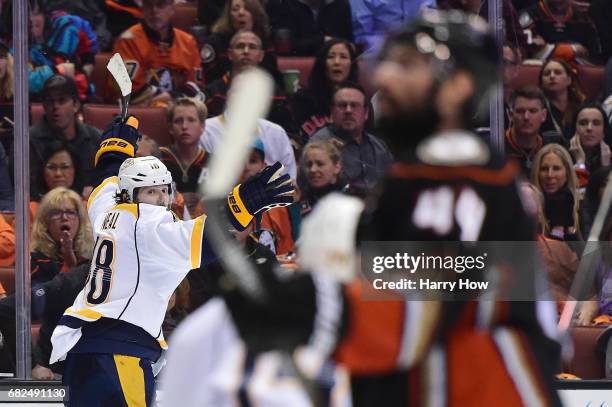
point(120, 137)
point(118, 143)
point(263, 191)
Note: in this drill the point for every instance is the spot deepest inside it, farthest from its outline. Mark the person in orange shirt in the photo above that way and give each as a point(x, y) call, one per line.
point(162, 61)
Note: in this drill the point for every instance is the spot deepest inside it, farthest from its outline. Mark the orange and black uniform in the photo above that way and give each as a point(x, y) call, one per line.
point(574, 27)
point(417, 352)
point(158, 66)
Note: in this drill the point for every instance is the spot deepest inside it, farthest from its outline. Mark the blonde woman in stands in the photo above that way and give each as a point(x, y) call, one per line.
point(553, 174)
point(61, 235)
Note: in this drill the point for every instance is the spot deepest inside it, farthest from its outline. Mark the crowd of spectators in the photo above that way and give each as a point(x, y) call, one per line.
point(323, 133)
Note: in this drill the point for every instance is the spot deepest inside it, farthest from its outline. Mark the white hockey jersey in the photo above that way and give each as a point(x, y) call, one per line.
point(142, 253)
point(207, 365)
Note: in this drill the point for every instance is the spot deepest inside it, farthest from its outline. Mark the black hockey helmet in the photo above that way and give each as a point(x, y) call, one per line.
point(455, 41)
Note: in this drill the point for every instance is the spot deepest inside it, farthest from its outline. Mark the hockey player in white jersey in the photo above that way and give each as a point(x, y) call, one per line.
point(112, 334)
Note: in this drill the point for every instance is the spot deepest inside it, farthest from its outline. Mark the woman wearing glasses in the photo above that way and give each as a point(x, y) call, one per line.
point(61, 235)
point(60, 168)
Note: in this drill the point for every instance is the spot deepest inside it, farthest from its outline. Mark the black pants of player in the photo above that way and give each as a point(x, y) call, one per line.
point(105, 380)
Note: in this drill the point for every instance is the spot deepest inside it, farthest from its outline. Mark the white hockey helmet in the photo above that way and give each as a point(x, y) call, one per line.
point(142, 172)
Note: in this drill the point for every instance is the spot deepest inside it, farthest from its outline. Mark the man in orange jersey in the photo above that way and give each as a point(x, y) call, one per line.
point(161, 60)
point(447, 186)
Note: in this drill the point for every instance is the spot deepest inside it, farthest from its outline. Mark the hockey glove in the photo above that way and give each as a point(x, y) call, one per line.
point(263, 191)
point(120, 138)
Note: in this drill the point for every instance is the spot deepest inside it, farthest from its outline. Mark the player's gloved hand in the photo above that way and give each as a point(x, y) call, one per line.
point(120, 138)
point(263, 191)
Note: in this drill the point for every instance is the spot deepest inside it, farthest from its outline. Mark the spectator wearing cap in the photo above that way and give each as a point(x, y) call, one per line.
point(256, 161)
point(365, 157)
point(246, 51)
point(185, 158)
point(61, 105)
point(163, 61)
point(524, 138)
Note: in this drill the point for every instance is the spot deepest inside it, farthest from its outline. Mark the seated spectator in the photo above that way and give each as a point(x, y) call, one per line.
point(7, 244)
point(6, 77)
point(511, 62)
point(61, 43)
point(245, 51)
point(559, 82)
point(553, 174)
point(512, 28)
point(556, 29)
point(592, 198)
point(60, 168)
point(587, 146)
point(560, 261)
point(275, 139)
point(185, 158)
point(7, 202)
point(598, 310)
point(61, 105)
point(275, 228)
point(365, 157)
point(335, 63)
point(524, 138)
point(256, 161)
point(61, 235)
point(311, 23)
point(600, 12)
point(92, 11)
point(321, 167)
point(237, 15)
point(372, 19)
point(163, 61)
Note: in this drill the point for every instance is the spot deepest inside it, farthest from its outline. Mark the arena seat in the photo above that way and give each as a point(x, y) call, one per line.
point(586, 363)
point(302, 64)
point(152, 120)
point(185, 16)
point(37, 111)
point(527, 76)
point(7, 279)
point(591, 80)
point(100, 75)
point(305, 65)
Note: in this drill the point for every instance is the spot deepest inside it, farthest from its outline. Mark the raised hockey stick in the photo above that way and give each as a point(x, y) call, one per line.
point(249, 100)
point(116, 67)
point(585, 275)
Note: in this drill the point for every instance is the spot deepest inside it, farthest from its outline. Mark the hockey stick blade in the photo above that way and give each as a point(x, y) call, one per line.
point(249, 100)
point(116, 67)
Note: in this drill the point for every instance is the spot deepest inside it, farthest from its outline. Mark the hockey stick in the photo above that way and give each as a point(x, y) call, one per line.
point(249, 100)
point(585, 275)
point(116, 67)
